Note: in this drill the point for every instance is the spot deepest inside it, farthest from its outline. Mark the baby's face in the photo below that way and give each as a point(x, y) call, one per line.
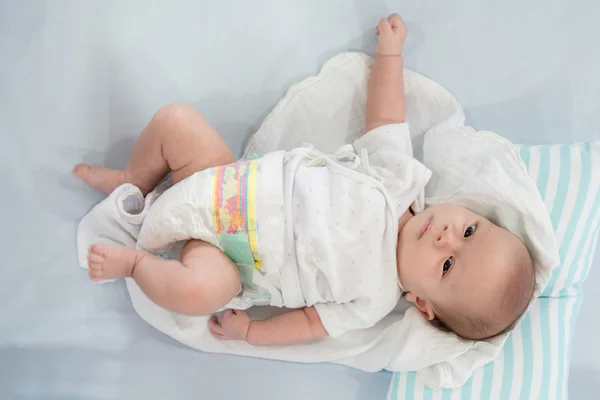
point(449, 255)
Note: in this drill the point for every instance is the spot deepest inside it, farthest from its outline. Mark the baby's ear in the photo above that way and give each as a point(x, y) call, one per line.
point(425, 306)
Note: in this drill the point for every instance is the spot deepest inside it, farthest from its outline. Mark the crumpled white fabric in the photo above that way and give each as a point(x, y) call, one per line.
point(328, 110)
point(484, 173)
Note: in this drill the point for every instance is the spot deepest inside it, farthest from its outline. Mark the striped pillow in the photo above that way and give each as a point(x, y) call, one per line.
point(534, 363)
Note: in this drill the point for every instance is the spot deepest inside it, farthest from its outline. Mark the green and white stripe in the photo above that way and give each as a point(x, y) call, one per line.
point(534, 362)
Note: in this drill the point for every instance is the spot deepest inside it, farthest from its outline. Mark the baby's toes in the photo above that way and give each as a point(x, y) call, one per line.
point(95, 274)
point(81, 170)
point(94, 258)
point(95, 269)
point(98, 250)
point(96, 261)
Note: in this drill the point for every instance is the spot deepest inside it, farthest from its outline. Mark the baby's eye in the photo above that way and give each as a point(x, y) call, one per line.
point(470, 230)
point(447, 265)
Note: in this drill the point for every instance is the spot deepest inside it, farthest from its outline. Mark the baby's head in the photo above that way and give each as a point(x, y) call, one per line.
point(463, 272)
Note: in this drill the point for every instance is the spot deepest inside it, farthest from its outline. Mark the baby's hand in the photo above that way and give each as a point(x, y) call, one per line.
point(234, 325)
point(392, 34)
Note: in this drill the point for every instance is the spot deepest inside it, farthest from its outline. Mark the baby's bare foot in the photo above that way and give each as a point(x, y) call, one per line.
point(112, 262)
point(103, 179)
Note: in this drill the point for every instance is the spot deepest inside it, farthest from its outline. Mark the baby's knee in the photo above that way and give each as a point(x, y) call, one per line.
point(195, 303)
point(174, 114)
point(204, 298)
point(214, 278)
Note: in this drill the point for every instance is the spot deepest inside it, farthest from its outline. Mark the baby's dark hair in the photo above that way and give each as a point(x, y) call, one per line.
point(511, 298)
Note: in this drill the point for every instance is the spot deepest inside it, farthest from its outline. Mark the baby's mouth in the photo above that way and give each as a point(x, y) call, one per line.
point(425, 227)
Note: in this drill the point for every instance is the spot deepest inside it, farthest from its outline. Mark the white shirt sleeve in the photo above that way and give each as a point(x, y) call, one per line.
point(385, 144)
point(360, 313)
point(389, 149)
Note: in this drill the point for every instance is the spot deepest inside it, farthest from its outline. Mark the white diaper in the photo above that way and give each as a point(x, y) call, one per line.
point(223, 206)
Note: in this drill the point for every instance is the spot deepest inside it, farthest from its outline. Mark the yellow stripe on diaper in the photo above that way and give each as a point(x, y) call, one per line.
point(217, 194)
point(252, 226)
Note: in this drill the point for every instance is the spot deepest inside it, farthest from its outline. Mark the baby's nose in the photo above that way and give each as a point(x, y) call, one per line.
point(443, 235)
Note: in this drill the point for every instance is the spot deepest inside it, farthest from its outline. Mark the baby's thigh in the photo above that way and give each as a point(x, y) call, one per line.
point(214, 274)
point(190, 143)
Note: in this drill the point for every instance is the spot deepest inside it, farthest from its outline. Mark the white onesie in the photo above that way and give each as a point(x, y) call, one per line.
point(304, 228)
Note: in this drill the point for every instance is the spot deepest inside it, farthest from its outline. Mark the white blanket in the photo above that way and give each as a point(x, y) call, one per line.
point(328, 110)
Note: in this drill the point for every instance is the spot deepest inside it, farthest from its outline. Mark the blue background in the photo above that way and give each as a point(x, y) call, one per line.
point(80, 79)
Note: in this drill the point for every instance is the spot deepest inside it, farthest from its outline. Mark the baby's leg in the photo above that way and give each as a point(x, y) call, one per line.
point(177, 139)
point(203, 282)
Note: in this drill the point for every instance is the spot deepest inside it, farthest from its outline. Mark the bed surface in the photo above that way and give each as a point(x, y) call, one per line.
point(79, 80)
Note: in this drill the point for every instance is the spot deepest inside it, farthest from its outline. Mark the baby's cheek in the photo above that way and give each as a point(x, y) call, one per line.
point(434, 274)
point(412, 266)
point(427, 264)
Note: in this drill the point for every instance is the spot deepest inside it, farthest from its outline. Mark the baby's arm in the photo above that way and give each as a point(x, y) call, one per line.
point(385, 96)
point(294, 327)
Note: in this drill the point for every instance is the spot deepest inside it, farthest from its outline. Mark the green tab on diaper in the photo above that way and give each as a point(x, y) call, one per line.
point(236, 247)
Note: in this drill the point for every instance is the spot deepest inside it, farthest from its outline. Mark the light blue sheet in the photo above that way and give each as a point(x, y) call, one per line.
point(79, 80)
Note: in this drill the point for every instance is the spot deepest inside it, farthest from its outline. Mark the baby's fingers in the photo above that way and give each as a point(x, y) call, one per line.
point(395, 20)
point(216, 329)
point(383, 27)
point(397, 24)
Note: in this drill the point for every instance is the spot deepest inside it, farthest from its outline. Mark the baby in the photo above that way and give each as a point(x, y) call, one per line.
point(339, 238)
